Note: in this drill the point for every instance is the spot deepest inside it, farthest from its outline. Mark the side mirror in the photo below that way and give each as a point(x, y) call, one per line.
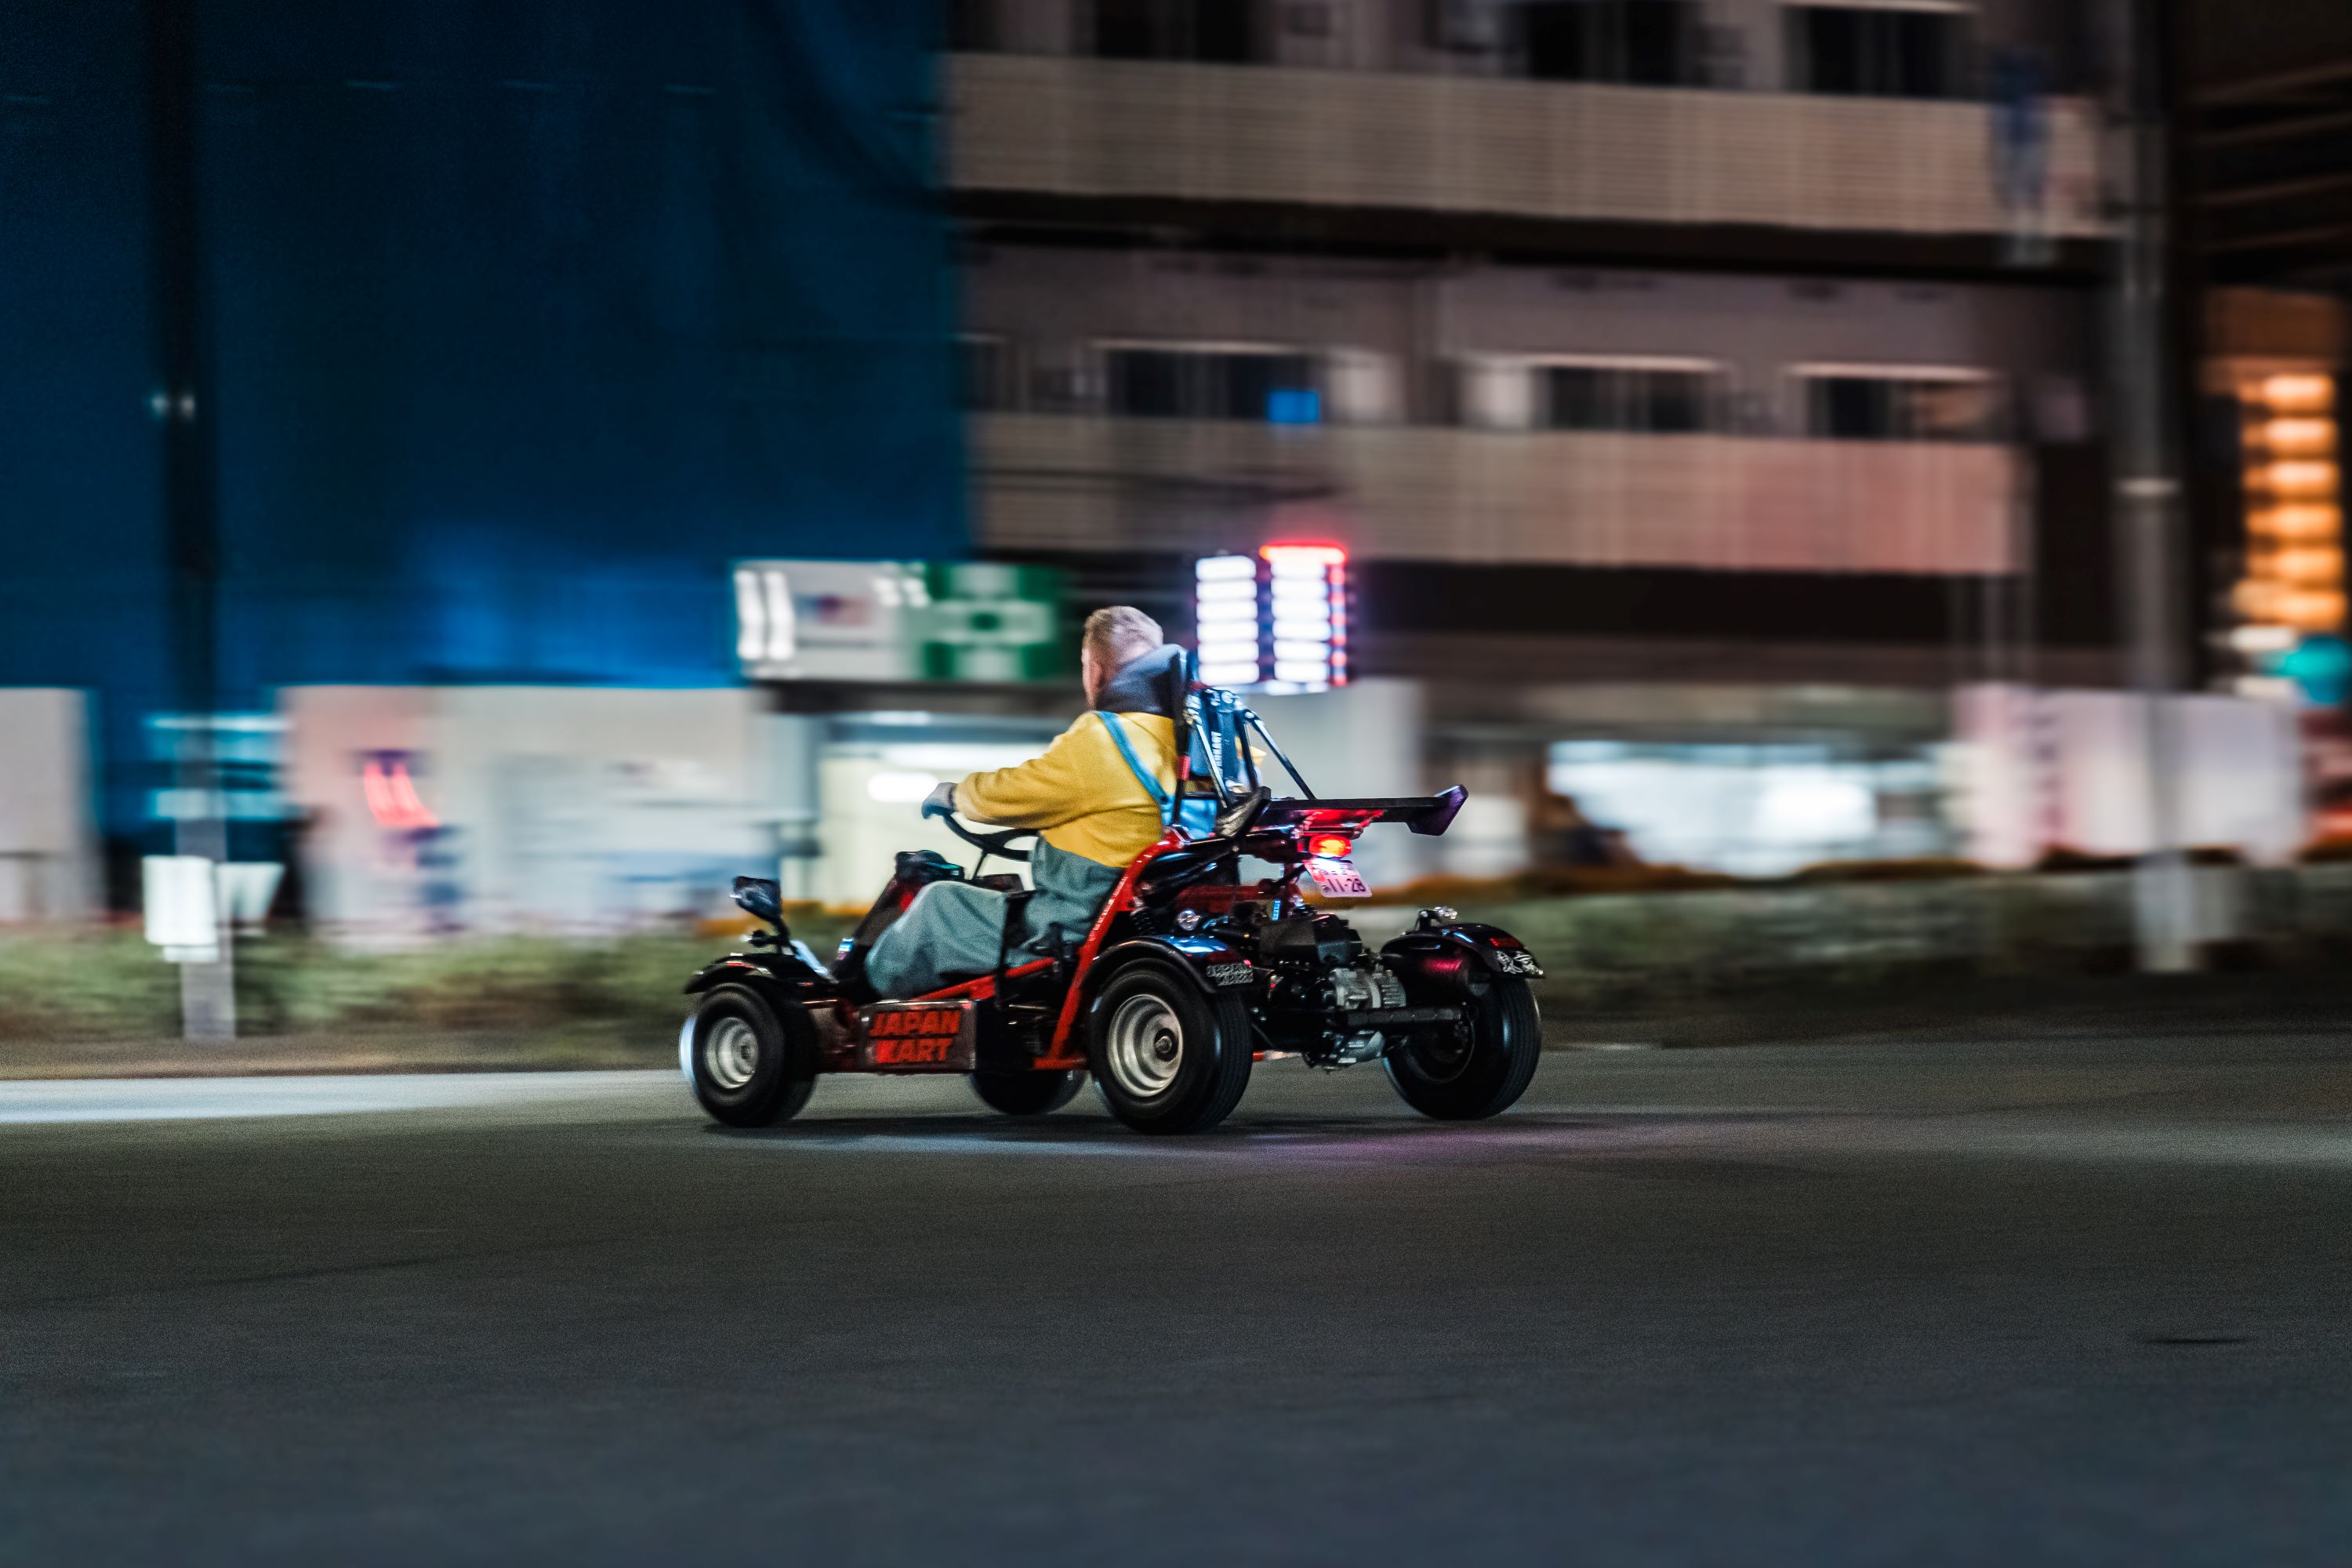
point(760, 898)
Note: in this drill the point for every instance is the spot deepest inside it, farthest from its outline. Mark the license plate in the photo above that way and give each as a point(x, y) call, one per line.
point(1339, 879)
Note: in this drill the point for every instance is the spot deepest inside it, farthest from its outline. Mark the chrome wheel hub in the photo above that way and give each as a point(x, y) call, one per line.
point(731, 1053)
point(1144, 1046)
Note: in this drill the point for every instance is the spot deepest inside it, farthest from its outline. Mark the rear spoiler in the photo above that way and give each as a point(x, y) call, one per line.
point(1428, 813)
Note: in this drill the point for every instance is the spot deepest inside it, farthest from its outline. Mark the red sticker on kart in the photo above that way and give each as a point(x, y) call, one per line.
point(1339, 879)
point(914, 1036)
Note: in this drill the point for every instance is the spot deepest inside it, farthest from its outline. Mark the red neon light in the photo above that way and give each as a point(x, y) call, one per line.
point(393, 800)
point(1320, 555)
point(1338, 659)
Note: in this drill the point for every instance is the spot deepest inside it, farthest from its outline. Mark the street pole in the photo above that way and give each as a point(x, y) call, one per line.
point(2146, 516)
point(181, 403)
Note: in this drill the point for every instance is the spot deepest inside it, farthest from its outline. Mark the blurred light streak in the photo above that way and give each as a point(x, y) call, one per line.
point(900, 788)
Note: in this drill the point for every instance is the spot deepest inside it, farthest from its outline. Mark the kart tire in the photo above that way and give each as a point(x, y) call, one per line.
point(1027, 1092)
point(1167, 1056)
point(753, 1064)
point(1469, 1075)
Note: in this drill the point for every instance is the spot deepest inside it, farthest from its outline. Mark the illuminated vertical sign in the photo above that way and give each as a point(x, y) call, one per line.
point(1227, 615)
point(2293, 581)
point(1276, 621)
point(1307, 590)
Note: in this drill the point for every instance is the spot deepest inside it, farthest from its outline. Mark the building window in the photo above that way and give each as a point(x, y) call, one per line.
point(971, 25)
point(1463, 27)
point(1861, 404)
point(1647, 43)
point(1880, 52)
point(1647, 396)
point(984, 368)
point(1219, 32)
point(1148, 383)
point(1667, 400)
point(1127, 29)
point(1362, 387)
point(1277, 387)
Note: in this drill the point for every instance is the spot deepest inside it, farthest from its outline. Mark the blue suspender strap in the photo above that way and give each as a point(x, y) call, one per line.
point(1160, 797)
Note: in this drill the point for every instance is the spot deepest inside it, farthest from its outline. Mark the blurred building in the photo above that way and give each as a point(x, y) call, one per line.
point(1701, 390)
point(2265, 108)
point(601, 448)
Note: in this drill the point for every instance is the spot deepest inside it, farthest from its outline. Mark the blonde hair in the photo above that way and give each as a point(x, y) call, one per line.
point(1117, 633)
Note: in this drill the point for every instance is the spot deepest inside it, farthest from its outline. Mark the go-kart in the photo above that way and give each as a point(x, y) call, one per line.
point(1188, 973)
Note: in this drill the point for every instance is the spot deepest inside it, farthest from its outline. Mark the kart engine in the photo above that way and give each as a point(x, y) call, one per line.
point(1359, 988)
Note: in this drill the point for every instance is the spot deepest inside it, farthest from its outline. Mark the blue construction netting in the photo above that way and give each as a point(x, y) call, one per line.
point(525, 317)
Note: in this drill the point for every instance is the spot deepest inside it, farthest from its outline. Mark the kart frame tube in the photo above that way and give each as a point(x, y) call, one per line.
point(1058, 1055)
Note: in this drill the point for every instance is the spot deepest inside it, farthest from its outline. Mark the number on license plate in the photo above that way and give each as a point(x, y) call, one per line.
point(1339, 879)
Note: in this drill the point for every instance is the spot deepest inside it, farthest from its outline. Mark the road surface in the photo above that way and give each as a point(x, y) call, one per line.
point(2072, 1298)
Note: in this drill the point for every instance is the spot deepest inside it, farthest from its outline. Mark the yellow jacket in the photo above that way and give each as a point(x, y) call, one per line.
point(1081, 792)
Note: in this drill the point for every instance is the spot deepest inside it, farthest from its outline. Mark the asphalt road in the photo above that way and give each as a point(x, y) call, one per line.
point(2071, 1298)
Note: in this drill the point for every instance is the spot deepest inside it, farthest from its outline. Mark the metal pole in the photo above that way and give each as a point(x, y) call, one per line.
point(2148, 486)
point(192, 523)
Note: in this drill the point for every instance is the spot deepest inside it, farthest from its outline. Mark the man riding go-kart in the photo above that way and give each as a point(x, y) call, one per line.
point(1095, 799)
point(1138, 955)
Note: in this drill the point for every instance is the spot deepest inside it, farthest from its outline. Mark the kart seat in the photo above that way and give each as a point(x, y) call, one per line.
point(1234, 820)
point(1207, 855)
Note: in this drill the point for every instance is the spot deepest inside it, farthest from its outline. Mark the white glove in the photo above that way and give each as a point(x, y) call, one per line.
point(941, 801)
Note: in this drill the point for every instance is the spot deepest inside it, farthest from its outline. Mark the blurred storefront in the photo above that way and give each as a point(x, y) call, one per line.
point(426, 809)
point(430, 810)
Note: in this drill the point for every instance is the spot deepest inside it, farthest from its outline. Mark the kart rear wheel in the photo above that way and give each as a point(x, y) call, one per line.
point(1476, 1070)
point(1168, 1057)
point(754, 1065)
point(1023, 1092)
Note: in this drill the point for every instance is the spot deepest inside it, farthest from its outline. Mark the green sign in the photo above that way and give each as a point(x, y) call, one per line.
point(994, 623)
point(900, 620)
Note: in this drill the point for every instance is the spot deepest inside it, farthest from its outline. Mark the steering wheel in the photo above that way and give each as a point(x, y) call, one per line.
point(994, 844)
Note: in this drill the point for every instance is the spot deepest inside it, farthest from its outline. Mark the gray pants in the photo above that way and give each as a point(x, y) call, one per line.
point(952, 930)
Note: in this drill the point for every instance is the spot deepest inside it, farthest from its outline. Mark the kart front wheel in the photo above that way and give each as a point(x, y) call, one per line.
point(1477, 1069)
point(1024, 1092)
point(1168, 1057)
point(752, 1065)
